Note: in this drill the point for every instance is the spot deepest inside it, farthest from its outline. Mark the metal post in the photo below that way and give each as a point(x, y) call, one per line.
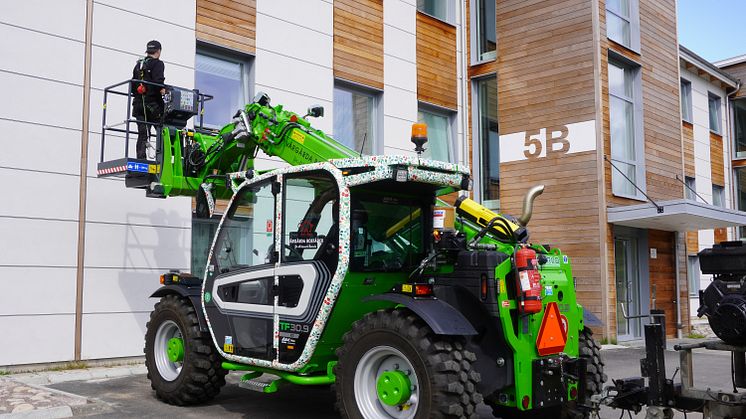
point(129, 115)
point(103, 125)
point(654, 364)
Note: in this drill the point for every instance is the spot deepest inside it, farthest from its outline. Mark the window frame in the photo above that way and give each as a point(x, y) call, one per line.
point(375, 139)
point(733, 113)
point(687, 109)
point(451, 12)
point(718, 110)
point(476, 57)
point(634, 25)
point(450, 116)
point(692, 267)
point(638, 130)
point(477, 148)
point(718, 191)
point(690, 188)
point(246, 61)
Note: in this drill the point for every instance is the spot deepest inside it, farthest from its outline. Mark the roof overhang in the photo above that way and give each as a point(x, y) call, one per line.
point(677, 215)
point(688, 56)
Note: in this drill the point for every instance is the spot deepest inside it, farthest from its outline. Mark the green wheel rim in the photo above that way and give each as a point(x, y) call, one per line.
point(393, 388)
point(175, 349)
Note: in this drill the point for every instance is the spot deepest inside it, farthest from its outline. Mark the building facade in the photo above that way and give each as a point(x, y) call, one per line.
point(594, 99)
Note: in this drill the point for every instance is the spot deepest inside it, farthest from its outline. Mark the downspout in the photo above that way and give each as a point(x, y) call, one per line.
point(464, 90)
point(678, 283)
point(731, 140)
point(83, 186)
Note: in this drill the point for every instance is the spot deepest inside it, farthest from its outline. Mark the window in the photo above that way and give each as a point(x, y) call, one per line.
point(622, 23)
point(686, 100)
point(203, 231)
point(714, 111)
point(439, 133)
point(718, 196)
point(387, 234)
point(484, 35)
point(691, 187)
point(356, 118)
point(441, 9)
point(739, 124)
point(692, 269)
point(247, 237)
point(626, 136)
point(485, 125)
point(311, 231)
point(225, 77)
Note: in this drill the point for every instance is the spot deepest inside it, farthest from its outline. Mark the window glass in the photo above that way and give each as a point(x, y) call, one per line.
point(621, 7)
point(247, 236)
point(486, 91)
point(224, 80)
point(718, 196)
point(741, 197)
point(442, 9)
point(387, 235)
point(311, 210)
point(739, 122)
point(693, 274)
point(203, 232)
point(624, 153)
point(486, 29)
point(686, 100)
point(438, 145)
point(714, 111)
point(355, 119)
point(618, 29)
point(690, 188)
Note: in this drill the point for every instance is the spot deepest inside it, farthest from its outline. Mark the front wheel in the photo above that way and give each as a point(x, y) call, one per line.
point(393, 366)
point(183, 367)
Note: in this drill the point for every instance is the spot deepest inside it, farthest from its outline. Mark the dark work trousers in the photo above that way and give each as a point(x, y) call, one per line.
point(152, 112)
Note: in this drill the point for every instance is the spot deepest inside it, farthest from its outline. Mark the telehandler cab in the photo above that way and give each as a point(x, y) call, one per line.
point(352, 270)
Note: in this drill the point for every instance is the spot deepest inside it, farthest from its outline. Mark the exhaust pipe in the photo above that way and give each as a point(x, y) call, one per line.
point(528, 204)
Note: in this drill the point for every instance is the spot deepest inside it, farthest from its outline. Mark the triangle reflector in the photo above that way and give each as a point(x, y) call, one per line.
point(552, 337)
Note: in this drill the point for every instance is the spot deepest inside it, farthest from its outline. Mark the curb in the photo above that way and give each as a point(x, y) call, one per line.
point(55, 377)
point(48, 413)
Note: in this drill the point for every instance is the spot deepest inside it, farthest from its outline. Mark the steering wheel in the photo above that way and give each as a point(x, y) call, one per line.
point(293, 253)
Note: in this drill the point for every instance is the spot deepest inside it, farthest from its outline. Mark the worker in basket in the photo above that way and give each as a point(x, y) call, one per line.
point(147, 102)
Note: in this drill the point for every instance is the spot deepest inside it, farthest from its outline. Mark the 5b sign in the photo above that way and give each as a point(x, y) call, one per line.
point(552, 141)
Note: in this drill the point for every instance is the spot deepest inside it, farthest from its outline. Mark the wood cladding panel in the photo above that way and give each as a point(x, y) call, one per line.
point(436, 62)
point(692, 242)
point(231, 24)
point(687, 130)
point(358, 41)
point(717, 162)
point(721, 235)
point(738, 71)
point(545, 78)
point(663, 276)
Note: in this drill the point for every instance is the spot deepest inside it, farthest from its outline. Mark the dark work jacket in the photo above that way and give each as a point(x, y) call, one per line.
point(152, 71)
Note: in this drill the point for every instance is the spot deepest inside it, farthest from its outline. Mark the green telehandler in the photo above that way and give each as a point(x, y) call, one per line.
point(353, 270)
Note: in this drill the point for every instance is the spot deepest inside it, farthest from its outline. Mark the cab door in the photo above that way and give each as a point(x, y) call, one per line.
point(239, 291)
point(308, 258)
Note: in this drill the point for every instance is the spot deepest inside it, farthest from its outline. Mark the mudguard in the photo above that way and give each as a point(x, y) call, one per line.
point(442, 318)
point(193, 293)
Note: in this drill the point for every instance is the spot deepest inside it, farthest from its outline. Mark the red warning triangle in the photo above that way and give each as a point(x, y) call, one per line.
point(552, 337)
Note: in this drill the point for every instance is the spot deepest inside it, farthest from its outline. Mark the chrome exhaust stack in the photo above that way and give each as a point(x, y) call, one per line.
point(528, 204)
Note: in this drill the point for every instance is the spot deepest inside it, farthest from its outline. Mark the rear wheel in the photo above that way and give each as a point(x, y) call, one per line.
point(183, 367)
point(393, 366)
point(589, 350)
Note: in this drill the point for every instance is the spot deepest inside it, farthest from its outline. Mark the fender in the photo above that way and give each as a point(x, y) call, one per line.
point(439, 315)
point(193, 293)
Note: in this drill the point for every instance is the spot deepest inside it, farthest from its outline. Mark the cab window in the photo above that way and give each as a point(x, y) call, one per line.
point(387, 234)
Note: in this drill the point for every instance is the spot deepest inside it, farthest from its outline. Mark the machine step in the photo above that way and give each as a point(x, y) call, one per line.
point(259, 386)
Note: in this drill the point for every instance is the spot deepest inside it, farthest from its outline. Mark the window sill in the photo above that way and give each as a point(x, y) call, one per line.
point(436, 18)
point(716, 134)
point(632, 197)
point(625, 48)
point(687, 124)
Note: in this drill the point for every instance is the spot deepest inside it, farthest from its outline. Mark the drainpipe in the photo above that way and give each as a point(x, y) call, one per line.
point(464, 89)
point(679, 326)
point(731, 140)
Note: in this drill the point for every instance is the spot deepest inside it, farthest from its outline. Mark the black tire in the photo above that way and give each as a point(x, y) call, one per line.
point(595, 378)
point(447, 383)
point(201, 375)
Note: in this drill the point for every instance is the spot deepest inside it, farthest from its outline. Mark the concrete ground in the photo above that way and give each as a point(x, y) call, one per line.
point(126, 393)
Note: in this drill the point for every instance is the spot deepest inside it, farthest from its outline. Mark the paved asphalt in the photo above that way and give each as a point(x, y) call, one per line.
point(131, 397)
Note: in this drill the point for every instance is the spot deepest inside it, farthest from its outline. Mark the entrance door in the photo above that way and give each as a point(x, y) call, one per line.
point(627, 269)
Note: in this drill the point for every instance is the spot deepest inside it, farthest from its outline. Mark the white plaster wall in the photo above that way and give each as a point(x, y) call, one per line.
point(41, 71)
point(702, 163)
point(130, 239)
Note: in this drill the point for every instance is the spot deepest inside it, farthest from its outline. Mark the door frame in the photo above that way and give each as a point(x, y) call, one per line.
point(643, 274)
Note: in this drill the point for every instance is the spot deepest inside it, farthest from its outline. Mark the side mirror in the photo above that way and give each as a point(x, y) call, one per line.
point(315, 111)
point(261, 98)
